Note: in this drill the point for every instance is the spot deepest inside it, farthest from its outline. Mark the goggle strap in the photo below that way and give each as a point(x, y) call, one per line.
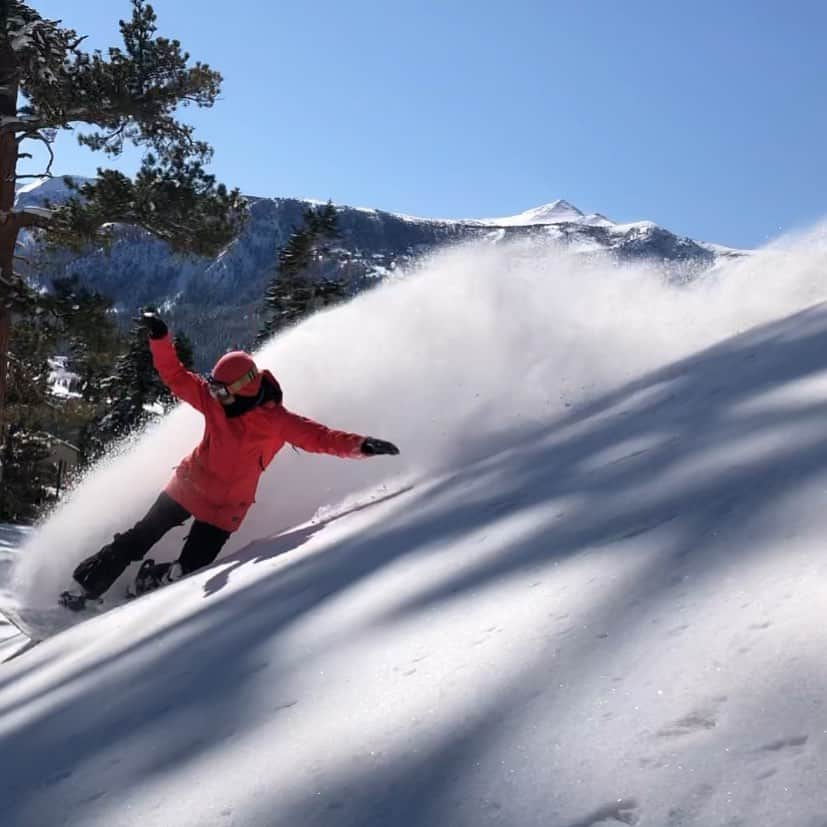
point(240, 383)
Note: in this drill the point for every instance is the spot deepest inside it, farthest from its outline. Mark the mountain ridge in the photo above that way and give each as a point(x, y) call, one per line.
point(224, 294)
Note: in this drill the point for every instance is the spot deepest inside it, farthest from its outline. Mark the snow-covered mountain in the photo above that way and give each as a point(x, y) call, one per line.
point(557, 212)
point(588, 593)
point(218, 300)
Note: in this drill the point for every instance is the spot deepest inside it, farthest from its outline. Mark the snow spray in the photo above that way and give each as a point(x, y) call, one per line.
point(472, 344)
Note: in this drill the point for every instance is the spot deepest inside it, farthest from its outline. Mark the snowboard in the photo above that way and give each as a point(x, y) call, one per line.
point(38, 624)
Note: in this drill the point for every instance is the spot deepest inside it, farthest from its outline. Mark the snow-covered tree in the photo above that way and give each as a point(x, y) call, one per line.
point(130, 94)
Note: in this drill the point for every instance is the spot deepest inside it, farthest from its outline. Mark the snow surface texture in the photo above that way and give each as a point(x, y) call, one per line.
point(599, 603)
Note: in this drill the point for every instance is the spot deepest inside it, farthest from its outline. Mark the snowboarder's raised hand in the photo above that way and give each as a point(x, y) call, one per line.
point(156, 326)
point(371, 447)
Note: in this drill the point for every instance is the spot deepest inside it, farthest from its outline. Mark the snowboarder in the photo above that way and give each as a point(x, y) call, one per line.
point(246, 426)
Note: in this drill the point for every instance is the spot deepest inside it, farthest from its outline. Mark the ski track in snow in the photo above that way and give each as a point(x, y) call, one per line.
point(589, 592)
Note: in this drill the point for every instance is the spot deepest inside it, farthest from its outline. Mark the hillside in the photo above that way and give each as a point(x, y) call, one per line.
point(588, 593)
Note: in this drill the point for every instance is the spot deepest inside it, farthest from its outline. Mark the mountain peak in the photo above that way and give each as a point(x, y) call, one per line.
point(555, 212)
point(39, 190)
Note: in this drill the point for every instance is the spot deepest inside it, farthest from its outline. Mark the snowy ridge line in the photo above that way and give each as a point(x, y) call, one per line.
point(559, 212)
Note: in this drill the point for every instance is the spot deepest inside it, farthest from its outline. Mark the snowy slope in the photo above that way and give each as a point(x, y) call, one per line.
point(590, 592)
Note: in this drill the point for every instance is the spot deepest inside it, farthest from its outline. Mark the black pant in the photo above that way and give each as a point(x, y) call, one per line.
point(98, 572)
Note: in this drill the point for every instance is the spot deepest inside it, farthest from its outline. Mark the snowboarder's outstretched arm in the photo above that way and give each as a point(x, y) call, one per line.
point(317, 439)
point(181, 382)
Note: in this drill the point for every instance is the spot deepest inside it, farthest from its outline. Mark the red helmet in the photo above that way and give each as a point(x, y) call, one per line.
point(238, 372)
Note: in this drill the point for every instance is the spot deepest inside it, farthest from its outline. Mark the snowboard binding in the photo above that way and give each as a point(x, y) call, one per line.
point(146, 580)
point(76, 601)
point(152, 575)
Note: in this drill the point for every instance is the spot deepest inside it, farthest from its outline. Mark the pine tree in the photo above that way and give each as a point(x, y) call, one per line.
point(133, 394)
point(70, 319)
point(25, 486)
point(88, 332)
point(128, 95)
point(294, 293)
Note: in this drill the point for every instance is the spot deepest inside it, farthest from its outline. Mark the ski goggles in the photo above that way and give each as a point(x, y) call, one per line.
point(221, 391)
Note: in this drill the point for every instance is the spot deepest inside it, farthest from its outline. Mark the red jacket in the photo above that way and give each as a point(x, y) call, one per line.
point(217, 482)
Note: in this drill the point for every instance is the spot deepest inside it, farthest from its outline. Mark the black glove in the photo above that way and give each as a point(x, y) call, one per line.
point(371, 447)
point(156, 326)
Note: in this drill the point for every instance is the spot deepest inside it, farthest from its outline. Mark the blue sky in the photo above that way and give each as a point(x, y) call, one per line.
point(707, 117)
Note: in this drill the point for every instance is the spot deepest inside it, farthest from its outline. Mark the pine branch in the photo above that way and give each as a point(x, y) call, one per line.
point(37, 136)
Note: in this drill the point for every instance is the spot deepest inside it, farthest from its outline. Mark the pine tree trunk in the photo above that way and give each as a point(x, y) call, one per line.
point(8, 239)
point(8, 224)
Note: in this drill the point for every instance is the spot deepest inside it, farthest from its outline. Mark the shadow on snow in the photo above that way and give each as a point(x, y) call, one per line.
point(597, 493)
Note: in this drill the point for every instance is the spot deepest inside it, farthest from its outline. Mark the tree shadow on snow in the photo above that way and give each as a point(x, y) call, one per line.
point(607, 471)
point(262, 550)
